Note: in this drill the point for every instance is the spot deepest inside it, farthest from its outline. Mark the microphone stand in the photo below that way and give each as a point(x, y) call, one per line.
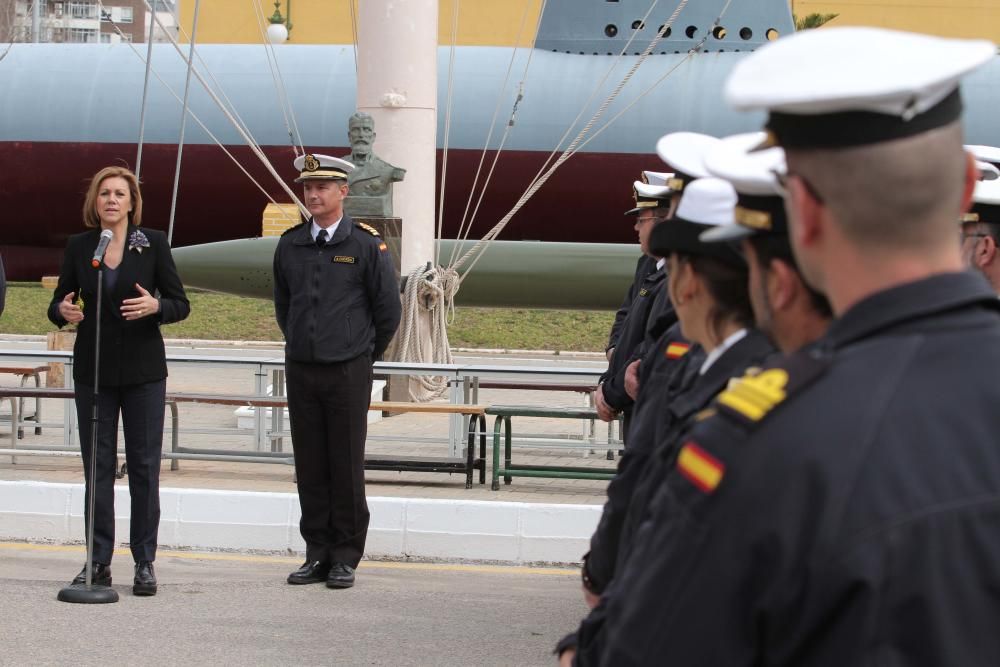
point(88, 592)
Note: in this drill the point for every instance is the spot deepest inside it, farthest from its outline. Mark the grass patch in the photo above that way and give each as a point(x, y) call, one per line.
point(224, 317)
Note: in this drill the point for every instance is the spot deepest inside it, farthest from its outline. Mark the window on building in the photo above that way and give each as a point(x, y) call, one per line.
point(126, 15)
point(82, 36)
point(126, 37)
point(105, 38)
point(83, 10)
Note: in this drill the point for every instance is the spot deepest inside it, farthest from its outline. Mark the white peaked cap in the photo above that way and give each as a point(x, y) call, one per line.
point(652, 191)
point(989, 154)
point(685, 152)
point(656, 177)
point(315, 166)
point(987, 192)
point(854, 69)
point(707, 201)
point(987, 172)
point(750, 171)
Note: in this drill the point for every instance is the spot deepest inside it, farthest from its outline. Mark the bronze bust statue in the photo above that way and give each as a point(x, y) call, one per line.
point(371, 181)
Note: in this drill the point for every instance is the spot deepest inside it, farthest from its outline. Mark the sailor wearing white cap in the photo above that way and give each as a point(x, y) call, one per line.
point(817, 513)
point(652, 205)
point(708, 285)
point(785, 308)
point(684, 152)
point(981, 232)
point(336, 300)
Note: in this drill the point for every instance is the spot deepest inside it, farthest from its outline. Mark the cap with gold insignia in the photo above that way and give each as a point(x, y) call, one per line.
point(656, 177)
point(316, 167)
point(985, 203)
point(852, 86)
point(987, 159)
point(707, 203)
point(760, 208)
point(649, 196)
point(684, 152)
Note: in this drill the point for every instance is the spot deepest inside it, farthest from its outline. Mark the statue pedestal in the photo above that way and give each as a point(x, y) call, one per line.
point(58, 340)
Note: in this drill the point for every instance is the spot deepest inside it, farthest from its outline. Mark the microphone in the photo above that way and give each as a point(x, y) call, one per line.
point(102, 247)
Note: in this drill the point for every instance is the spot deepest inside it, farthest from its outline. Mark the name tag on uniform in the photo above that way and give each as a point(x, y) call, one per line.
point(344, 259)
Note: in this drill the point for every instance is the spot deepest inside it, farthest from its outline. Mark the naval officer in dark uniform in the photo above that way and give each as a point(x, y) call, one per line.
point(336, 299)
point(842, 507)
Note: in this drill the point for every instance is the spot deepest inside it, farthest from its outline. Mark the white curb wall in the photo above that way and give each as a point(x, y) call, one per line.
point(253, 521)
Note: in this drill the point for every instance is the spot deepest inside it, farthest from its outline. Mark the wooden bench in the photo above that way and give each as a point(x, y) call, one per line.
point(502, 428)
point(26, 373)
point(467, 464)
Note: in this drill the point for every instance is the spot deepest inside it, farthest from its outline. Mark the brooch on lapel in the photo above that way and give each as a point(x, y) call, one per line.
point(137, 241)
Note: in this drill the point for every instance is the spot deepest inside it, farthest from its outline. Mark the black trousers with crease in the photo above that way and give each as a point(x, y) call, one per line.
point(328, 409)
point(141, 408)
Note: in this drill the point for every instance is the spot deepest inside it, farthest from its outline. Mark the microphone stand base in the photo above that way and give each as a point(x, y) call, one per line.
point(83, 594)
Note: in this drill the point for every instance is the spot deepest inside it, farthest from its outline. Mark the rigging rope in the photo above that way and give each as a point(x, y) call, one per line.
point(465, 227)
point(479, 248)
point(145, 89)
point(184, 115)
point(291, 127)
point(202, 125)
point(600, 84)
point(354, 35)
point(447, 125)
point(254, 147)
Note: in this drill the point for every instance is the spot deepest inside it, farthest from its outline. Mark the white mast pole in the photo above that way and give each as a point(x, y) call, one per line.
point(397, 85)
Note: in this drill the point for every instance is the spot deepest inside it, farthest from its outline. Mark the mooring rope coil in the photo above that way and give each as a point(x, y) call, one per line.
point(430, 291)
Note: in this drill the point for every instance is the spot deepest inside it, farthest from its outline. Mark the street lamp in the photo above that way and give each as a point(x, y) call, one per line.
point(277, 32)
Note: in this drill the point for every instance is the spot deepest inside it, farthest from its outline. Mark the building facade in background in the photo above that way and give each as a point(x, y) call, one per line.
point(83, 21)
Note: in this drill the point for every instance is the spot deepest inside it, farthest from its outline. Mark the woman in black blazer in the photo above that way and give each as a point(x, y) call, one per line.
point(141, 291)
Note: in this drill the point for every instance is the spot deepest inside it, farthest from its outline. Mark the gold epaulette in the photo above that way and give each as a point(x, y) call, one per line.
point(368, 228)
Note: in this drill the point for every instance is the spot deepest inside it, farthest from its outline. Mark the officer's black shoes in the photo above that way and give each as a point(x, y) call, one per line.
point(145, 579)
point(311, 572)
point(101, 576)
point(341, 576)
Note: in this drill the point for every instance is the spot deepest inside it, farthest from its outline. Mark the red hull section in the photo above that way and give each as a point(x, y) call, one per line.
point(43, 186)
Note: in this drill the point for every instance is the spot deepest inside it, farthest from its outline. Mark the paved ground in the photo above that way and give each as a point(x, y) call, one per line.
point(236, 609)
point(408, 433)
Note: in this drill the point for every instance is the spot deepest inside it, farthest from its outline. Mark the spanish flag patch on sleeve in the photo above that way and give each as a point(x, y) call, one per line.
point(383, 247)
point(699, 467)
point(676, 350)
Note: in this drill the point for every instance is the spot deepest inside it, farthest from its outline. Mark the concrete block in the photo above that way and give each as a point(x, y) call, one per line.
point(236, 507)
point(34, 497)
point(462, 517)
point(205, 535)
point(559, 520)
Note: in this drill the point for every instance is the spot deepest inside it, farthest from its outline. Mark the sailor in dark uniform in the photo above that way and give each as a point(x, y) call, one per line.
point(336, 298)
point(652, 205)
point(644, 266)
point(842, 507)
point(980, 232)
point(709, 287)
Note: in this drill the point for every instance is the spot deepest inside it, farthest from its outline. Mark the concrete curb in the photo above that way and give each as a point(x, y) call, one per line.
point(400, 528)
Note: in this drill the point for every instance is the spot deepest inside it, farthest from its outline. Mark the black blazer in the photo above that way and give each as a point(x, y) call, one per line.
point(131, 351)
